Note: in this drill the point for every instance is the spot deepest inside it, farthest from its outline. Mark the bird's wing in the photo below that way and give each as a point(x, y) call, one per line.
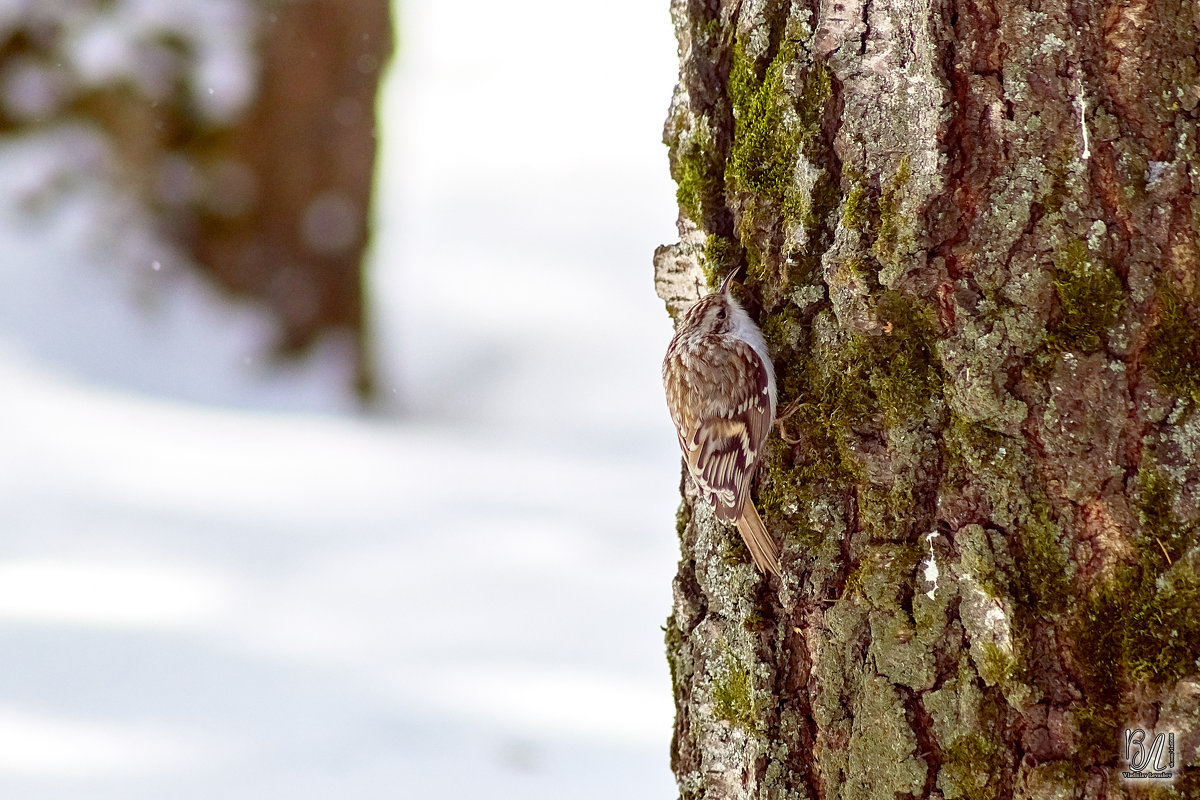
point(722, 438)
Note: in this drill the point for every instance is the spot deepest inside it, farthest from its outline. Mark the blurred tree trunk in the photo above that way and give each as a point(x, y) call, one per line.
point(266, 177)
point(969, 232)
point(290, 224)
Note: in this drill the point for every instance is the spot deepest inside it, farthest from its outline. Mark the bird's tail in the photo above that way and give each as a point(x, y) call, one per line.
point(762, 547)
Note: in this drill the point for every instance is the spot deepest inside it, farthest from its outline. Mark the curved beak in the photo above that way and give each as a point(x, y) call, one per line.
point(724, 288)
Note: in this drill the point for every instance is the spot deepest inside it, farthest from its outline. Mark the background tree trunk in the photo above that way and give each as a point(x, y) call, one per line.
point(245, 128)
point(969, 233)
point(291, 224)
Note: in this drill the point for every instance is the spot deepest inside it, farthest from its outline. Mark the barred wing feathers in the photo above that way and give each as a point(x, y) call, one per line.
point(721, 439)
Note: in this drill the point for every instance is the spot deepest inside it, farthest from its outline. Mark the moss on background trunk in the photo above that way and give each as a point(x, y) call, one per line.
point(970, 234)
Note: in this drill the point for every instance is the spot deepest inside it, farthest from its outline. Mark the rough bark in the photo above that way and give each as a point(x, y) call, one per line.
point(969, 232)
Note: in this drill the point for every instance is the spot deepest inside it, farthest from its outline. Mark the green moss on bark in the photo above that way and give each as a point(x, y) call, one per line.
point(846, 388)
point(854, 215)
point(699, 173)
point(733, 693)
point(673, 639)
point(1038, 576)
point(770, 127)
point(683, 515)
point(775, 168)
point(722, 255)
point(974, 769)
point(891, 224)
point(1040, 580)
point(1089, 297)
point(1163, 631)
point(1174, 347)
point(762, 157)
point(1141, 627)
point(1163, 539)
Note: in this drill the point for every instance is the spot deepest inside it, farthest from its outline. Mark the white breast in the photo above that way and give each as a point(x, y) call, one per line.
point(745, 329)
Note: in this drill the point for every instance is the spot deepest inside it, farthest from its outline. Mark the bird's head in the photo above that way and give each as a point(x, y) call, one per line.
point(714, 313)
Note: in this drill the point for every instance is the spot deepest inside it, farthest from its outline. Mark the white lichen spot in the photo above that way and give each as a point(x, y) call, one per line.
point(799, 25)
point(1154, 171)
point(808, 294)
point(985, 617)
point(1052, 43)
point(930, 566)
point(754, 32)
point(804, 180)
point(1087, 150)
point(1096, 235)
point(996, 620)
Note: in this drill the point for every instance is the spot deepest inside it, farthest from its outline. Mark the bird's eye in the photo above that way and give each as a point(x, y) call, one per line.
point(722, 314)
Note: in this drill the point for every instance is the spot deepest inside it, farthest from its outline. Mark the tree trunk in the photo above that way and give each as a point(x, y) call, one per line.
point(291, 226)
point(969, 232)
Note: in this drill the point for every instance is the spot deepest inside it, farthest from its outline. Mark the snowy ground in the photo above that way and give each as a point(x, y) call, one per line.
point(218, 581)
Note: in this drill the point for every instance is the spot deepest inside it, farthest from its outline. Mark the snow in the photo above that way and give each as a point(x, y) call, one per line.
point(217, 579)
point(122, 40)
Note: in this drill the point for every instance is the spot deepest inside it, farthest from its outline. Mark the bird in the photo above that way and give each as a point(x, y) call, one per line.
point(720, 387)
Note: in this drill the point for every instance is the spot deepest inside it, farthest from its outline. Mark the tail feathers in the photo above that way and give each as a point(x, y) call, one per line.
point(762, 547)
